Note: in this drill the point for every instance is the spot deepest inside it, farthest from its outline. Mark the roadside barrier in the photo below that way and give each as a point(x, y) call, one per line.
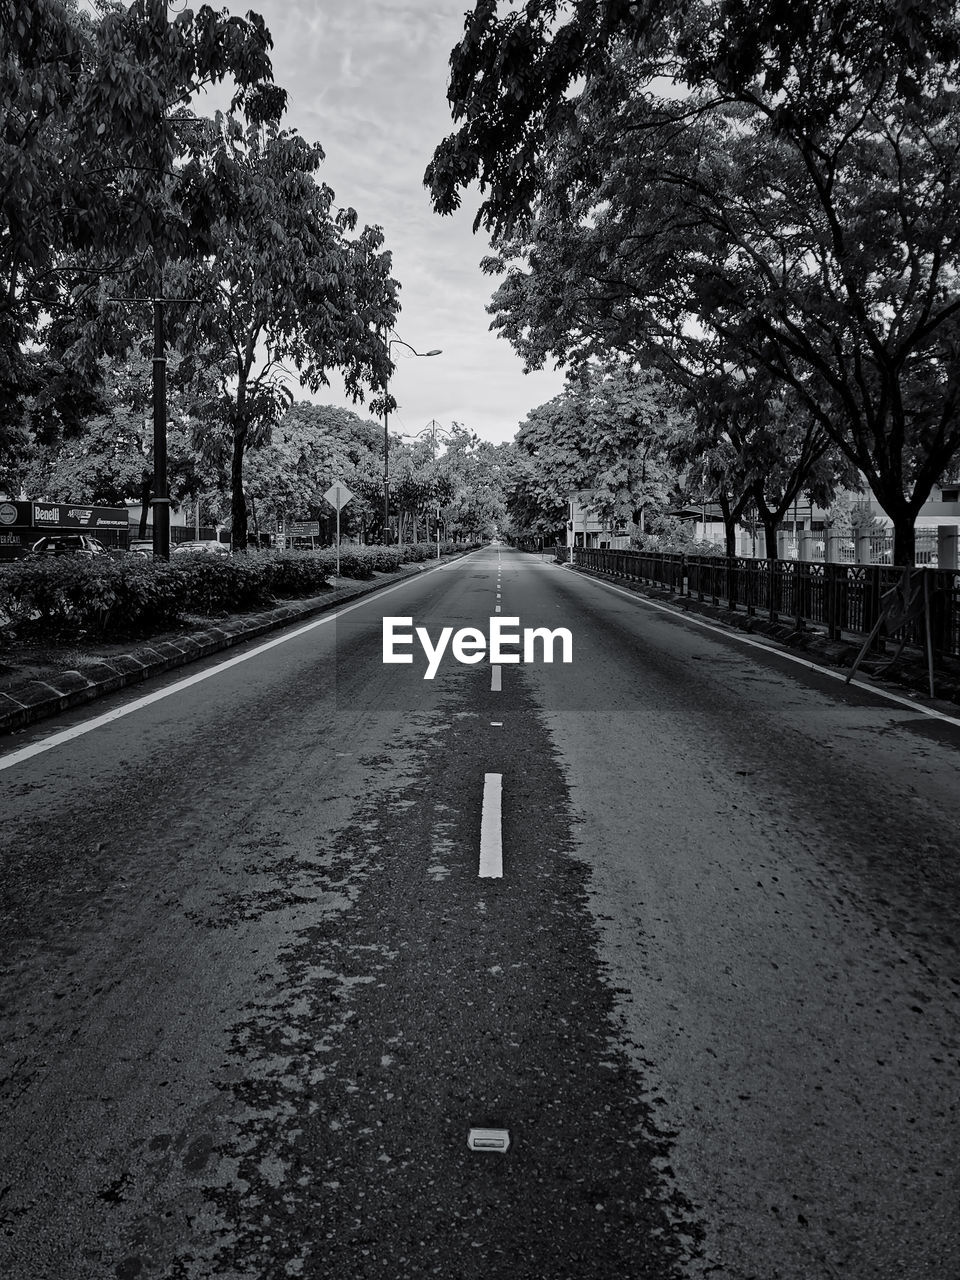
point(843, 598)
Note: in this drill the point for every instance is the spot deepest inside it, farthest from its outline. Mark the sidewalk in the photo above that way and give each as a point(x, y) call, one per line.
point(24, 702)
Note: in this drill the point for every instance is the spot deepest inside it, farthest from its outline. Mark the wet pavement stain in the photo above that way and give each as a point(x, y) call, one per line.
point(436, 1003)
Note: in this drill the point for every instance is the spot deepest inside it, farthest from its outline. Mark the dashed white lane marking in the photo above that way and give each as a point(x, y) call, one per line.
point(495, 679)
point(496, 609)
point(789, 657)
point(491, 838)
point(496, 724)
point(129, 708)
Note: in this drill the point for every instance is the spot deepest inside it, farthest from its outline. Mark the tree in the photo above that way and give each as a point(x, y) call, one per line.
point(747, 441)
point(798, 204)
point(470, 485)
point(607, 432)
point(94, 131)
point(107, 455)
point(530, 511)
point(515, 76)
point(285, 282)
point(311, 447)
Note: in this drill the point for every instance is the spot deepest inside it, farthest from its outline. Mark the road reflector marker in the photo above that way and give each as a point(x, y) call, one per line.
point(488, 1139)
point(495, 679)
point(491, 839)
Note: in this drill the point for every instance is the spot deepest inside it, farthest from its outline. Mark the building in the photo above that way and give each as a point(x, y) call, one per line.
point(586, 529)
point(865, 536)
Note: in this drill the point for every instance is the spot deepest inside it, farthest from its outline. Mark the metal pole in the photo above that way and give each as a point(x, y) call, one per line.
point(338, 531)
point(161, 499)
point(386, 475)
point(928, 627)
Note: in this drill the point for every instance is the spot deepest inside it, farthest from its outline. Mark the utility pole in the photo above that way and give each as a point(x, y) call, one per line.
point(161, 497)
point(161, 494)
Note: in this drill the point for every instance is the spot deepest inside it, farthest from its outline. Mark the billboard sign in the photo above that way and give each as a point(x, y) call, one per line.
point(65, 515)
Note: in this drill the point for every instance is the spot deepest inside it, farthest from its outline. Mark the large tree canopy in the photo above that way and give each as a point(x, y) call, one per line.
point(517, 69)
point(792, 198)
point(290, 284)
point(96, 178)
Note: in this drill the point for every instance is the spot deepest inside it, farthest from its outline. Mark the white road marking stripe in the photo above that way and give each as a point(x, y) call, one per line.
point(790, 657)
point(68, 735)
point(491, 836)
point(497, 609)
point(496, 724)
point(495, 679)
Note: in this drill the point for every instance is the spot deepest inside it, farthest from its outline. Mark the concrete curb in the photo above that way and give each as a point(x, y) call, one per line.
point(38, 699)
point(909, 672)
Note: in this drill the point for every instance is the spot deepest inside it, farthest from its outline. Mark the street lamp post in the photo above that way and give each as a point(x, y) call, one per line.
point(386, 433)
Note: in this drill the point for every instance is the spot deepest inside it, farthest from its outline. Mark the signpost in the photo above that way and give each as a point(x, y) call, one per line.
point(338, 495)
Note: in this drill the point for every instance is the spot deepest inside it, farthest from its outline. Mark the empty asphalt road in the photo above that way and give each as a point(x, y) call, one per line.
point(641, 965)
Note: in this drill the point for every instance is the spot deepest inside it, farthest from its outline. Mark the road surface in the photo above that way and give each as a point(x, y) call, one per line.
point(670, 929)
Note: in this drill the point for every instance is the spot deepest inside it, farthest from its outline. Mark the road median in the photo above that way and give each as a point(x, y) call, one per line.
point(105, 668)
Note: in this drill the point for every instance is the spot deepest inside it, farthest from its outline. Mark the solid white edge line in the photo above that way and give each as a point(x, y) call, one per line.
point(7, 761)
point(790, 657)
point(491, 836)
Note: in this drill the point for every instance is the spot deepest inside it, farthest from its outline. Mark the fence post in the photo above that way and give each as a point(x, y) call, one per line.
point(830, 601)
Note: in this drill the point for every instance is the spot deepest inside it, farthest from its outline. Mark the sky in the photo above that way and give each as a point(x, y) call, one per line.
point(368, 80)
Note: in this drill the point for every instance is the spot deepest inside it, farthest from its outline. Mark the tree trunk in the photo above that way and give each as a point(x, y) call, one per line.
point(771, 524)
point(238, 531)
point(729, 526)
point(904, 541)
point(903, 513)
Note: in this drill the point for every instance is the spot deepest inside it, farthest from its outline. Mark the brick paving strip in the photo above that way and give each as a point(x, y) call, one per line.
point(27, 701)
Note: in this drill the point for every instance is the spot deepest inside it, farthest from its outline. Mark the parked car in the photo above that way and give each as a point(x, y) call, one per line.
point(141, 546)
point(67, 544)
point(203, 544)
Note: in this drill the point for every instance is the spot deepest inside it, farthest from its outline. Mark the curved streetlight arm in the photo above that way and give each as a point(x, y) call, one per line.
point(437, 351)
point(386, 431)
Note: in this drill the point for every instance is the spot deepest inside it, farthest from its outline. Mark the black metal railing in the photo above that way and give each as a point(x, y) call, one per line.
point(843, 598)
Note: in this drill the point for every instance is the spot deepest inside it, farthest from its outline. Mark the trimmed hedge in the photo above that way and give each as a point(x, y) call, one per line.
point(134, 596)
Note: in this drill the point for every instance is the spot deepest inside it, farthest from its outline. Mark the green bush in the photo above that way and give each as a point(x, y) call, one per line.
point(132, 596)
